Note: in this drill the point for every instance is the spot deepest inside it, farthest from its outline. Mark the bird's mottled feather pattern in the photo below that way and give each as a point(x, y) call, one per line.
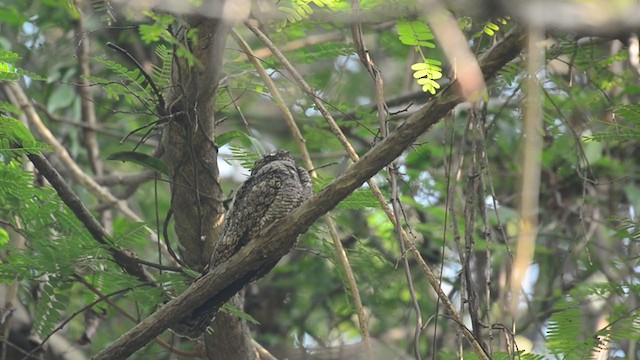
point(275, 187)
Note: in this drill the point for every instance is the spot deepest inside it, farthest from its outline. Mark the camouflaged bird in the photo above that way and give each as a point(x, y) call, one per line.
point(274, 189)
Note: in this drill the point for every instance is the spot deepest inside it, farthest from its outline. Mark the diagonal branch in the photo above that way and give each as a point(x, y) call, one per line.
point(78, 174)
point(127, 260)
point(255, 259)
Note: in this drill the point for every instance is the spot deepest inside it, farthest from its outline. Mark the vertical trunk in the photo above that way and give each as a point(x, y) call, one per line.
point(189, 150)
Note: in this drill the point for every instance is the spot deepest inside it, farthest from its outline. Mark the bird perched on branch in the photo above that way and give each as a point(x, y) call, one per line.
point(275, 188)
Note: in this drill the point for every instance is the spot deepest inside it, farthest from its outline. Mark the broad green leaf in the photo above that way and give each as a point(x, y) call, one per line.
point(415, 33)
point(145, 160)
point(61, 98)
point(242, 137)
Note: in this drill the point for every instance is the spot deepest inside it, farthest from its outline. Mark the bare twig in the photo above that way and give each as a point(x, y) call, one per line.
point(296, 44)
point(95, 128)
point(125, 179)
point(161, 108)
point(470, 214)
point(72, 316)
point(383, 114)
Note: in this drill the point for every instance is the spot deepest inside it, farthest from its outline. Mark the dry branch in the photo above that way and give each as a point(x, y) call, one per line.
point(272, 243)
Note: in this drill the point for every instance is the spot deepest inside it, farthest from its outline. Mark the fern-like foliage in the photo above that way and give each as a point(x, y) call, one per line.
point(104, 8)
point(131, 85)
point(10, 72)
point(51, 306)
point(60, 248)
point(491, 27)
point(565, 337)
point(418, 35)
point(510, 74)
point(162, 74)
point(16, 140)
point(245, 157)
point(298, 10)
point(358, 200)
point(626, 129)
point(157, 31)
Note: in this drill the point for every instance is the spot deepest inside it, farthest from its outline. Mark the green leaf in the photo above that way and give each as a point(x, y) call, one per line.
point(11, 15)
point(630, 112)
point(4, 237)
point(415, 33)
point(358, 200)
point(8, 56)
point(14, 131)
point(61, 98)
point(427, 72)
point(144, 160)
point(242, 137)
point(233, 310)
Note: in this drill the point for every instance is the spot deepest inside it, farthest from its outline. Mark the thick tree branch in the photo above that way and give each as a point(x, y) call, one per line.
point(272, 243)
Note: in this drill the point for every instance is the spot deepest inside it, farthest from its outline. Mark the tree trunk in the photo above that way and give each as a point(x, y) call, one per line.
point(189, 150)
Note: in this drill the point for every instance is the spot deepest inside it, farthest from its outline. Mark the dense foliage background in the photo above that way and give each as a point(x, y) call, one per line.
point(530, 225)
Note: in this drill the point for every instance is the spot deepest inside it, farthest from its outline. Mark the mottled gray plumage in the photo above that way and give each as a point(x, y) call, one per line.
point(275, 187)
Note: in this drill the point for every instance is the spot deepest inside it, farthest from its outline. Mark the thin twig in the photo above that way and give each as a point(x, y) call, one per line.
point(162, 110)
point(470, 214)
point(299, 139)
point(383, 115)
point(487, 233)
point(87, 105)
point(124, 313)
point(95, 128)
point(69, 318)
point(165, 235)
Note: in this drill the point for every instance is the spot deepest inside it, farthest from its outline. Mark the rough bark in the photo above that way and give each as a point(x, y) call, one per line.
point(257, 258)
point(189, 150)
point(188, 143)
